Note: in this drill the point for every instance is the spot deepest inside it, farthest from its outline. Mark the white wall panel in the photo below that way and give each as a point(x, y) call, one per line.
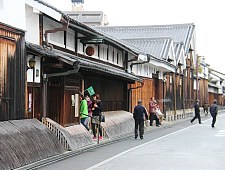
point(56, 38)
point(70, 40)
point(12, 12)
point(32, 25)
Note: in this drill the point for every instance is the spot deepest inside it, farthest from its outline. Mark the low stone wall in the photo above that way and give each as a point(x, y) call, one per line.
point(79, 136)
point(72, 137)
point(180, 114)
point(118, 123)
point(23, 142)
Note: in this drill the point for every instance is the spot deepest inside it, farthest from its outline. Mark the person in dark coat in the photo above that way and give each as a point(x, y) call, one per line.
point(97, 108)
point(139, 115)
point(197, 113)
point(213, 112)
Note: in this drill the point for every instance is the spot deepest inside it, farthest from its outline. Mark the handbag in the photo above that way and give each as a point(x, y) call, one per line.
point(102, 118)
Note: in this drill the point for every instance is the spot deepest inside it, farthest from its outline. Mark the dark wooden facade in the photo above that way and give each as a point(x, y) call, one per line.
point(33, 98)
point(12, 73)
point(218, 97)
point(203, 91)
point(150, 88)
point(188, 79)
point(62, 91)
point(170, 89)
point(113, 92)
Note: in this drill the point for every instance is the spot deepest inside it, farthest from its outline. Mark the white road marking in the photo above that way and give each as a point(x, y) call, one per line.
point(220, 133)
point(131, 149)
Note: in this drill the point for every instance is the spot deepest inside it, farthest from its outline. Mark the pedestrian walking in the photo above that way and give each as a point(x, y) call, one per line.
point(197, 113)
point(83, 112)
point(213, 112)
point(139, 115)
point(206, 108)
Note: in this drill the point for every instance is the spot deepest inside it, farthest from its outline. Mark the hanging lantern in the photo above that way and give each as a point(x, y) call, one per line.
point(32, 63)
point(90, 51)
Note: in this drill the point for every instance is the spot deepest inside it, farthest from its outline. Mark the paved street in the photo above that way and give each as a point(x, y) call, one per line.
point(183, 146)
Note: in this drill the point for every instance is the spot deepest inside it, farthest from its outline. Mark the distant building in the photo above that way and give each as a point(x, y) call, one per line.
point(91, 18)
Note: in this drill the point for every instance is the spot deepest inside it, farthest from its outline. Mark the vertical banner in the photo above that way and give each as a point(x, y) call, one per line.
point(76, 102)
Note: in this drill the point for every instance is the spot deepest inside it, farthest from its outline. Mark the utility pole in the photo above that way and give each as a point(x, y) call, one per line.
point(197, 76)
point(197, 82)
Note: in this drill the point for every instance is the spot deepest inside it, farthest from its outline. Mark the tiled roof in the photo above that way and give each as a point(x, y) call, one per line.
point(158, 47)
point(133, 44)
point(84, 63)
point(178, 32)
point(177, 50)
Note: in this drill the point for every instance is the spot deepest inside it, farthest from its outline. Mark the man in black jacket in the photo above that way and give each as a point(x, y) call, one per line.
point(139, 115)
point(214, 111)
point(197, 113)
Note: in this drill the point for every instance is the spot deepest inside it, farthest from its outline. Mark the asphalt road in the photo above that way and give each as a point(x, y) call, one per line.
point(181, 146)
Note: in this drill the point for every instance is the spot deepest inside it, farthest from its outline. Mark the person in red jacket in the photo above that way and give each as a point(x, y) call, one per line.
point(152, 111)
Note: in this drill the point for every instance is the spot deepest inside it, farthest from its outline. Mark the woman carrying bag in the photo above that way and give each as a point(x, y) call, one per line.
point(96, 116)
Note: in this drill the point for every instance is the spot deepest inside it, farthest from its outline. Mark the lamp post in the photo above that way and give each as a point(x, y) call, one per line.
point(32, 63)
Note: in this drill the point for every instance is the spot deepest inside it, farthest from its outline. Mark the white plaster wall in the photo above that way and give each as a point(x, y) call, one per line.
point(111, 49)
point(70, 40)
point(220, 91)
point(103, 52)
point(151, 70)
point(79, 45)
point(213, 90)
point(12, 12)
point(56, 38)
point(120, 58)
point(32, 25)
point(194, 87)
point(43, 8)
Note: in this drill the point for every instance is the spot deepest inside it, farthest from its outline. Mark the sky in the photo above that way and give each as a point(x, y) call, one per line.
point(207, 15)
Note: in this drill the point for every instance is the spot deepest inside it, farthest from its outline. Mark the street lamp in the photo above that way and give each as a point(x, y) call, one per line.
point(32, 63)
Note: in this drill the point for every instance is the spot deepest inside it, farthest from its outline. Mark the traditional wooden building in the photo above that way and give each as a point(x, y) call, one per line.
point(216, 87)
point(122, 64)
point(70, 57)
point(176, 87)
point(12, 72)
point(162, 61)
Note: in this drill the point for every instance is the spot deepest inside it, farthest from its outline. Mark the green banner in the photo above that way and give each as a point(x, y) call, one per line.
point(90, 90)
